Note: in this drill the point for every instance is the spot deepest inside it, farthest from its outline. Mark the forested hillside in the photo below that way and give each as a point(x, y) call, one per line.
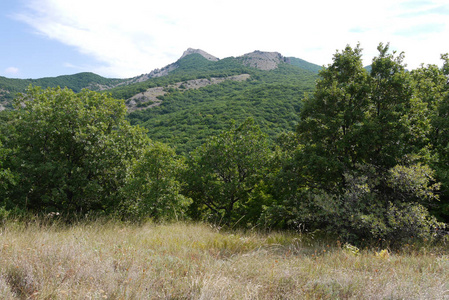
point(185, 118)
point(183, 115)
point(10, 87)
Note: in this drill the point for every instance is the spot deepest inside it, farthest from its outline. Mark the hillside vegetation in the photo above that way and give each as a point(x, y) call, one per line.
point(186, 117)
point(183, 115)
point(10, 87)
point(361, 155)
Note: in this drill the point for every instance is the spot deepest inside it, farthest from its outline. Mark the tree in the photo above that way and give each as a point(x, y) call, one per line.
point(396, 124)
point(331, 119)
point(362, 151)
point(153, 188)
point(224, 173)
point(431, 86)
point(72, 152)
point(354, 118)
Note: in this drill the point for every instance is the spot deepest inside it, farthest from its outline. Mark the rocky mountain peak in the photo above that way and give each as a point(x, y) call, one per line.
point(201, 52)
point(263, 60)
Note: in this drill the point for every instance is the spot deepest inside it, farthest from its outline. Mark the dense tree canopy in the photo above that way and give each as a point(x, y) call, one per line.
point(362, 160)
point(225, 171)
point(71, 152)
point(330, 119)
point(153, 187)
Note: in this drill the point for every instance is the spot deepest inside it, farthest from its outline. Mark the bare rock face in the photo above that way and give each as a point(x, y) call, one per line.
point(263, 60)
point(201, 52)
point(162, 72)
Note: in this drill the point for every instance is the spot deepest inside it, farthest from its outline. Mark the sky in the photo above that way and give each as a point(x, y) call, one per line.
point(122, 39)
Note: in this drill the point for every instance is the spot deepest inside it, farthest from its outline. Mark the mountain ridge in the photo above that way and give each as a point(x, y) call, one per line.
point(199, 95)
point(203, 53)
point(261, 60)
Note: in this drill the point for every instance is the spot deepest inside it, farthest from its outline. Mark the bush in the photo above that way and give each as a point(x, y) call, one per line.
point(374, 205)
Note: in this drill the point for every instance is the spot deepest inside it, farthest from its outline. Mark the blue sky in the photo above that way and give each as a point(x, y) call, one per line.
point(27, 53)
point(43, 38)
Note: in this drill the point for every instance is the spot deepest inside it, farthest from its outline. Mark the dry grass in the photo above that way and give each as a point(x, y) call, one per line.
point(195, 261)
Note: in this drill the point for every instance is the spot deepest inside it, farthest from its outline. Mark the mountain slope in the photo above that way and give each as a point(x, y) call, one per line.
point(304, 64)
point(190, 62)
point(184, 117)
point(200, 95)
point(9, 87)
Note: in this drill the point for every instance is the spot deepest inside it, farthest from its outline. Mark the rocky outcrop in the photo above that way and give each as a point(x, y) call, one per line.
point(263, 60)
point(201, 52)
point(153, 74)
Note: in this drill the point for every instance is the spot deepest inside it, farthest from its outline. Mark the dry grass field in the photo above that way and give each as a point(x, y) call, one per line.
point(107, 260)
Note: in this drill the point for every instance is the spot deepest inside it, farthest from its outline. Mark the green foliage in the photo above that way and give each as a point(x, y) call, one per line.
point(72, 152)
point(413, 182)
point(185, 119)
point(391, 208)
point(361, 166)
point(225, 173)
point(395, 115)
point(430, 84)
point(6, 176)
point(10, 87)
point(153, 187)
point(330, 119)
point(355, 118)
point(304, 64)
point(363, 211)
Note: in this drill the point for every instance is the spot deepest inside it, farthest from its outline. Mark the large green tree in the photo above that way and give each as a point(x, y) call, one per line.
point(71, 151)
point(360, 166)
point(331, 118)
point(225, 173)
point(431, 85)
point(396, 124)
point(356, 118)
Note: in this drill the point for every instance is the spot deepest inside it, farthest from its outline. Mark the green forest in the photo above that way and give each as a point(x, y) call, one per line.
point(185, 119)
point(361, 154)
point(10, 87)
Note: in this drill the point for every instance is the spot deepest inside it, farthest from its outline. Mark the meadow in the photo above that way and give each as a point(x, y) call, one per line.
point(111, 260)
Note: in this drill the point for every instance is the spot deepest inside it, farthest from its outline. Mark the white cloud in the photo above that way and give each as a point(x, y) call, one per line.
point(133, 37)
point(11, 71)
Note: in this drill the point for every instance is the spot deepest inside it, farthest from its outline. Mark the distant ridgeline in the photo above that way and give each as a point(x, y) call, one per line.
point(9, 87)
point(199, 95)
